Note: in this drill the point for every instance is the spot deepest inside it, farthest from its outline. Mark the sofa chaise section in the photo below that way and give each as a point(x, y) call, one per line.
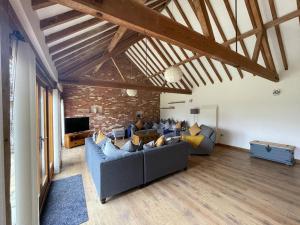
point(164, 160)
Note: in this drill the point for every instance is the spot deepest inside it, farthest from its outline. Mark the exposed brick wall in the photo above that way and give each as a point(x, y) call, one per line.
point(118, 108)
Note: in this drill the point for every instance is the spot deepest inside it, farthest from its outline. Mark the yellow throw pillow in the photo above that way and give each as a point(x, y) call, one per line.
point(194, 130)
point(195, 141)
point(178, 125)
point(100, 137)
point(160, 141)
point(139, 124)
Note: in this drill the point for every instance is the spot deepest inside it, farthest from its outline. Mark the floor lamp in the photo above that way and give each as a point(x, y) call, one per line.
point(194, 111)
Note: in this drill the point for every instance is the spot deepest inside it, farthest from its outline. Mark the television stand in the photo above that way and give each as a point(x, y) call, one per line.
point(76, 139)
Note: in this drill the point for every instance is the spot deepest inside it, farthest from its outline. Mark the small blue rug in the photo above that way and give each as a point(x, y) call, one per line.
point(65, 204)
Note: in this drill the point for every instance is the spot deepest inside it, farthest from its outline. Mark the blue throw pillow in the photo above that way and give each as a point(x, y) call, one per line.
point(129, 147)
point(112, 151)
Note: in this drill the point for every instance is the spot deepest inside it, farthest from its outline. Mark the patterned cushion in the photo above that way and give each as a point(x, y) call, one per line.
point(100, 137)
point(194, 130)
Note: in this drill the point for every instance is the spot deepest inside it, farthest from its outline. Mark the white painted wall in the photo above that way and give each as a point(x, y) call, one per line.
point(247, 109)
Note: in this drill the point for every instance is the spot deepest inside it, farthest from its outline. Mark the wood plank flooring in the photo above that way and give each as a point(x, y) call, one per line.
point(227, 187)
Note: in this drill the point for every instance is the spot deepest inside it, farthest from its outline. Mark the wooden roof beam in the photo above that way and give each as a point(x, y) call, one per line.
point(181, 49)
point(60, 19)
point(136, 16)
point(40, 4)
point(106, 28)
point(219, 27)
point(122, 85)
point(278, 34)
point(259, 23)
point(71, 30)
point(91, 63)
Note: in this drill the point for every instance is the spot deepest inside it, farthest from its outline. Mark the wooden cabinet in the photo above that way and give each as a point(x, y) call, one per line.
point(76, 139)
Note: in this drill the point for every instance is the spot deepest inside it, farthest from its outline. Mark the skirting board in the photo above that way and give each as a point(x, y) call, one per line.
point(233, 147)
point(244, 149)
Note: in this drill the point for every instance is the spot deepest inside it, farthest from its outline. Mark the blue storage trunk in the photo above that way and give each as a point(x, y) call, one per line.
point(271, 151)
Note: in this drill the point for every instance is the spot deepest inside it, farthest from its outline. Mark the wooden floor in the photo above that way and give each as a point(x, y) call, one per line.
point(227, 187)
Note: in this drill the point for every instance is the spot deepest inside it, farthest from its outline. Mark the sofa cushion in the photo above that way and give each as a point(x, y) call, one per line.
point(172, 140)
point(129, 147)
point(195, 141)
point(100, 137)
point(194, 130)
point(102, 143)
point(160, 141)
point(178, 125)
point(112, 151)
point(149, 145)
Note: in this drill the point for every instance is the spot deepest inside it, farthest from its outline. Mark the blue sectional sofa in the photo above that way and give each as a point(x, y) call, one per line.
point(113, 176)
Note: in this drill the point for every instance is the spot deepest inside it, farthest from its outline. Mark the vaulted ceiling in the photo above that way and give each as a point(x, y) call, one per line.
point(81, 38)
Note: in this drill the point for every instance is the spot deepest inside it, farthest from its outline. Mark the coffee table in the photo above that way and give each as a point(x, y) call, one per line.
point(145, 136)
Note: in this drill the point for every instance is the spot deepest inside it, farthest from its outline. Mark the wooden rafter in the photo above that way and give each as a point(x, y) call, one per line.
point(118, 69)
point(86, 51)
point(40, 4)
point(60, 19)
point(220, 29)
point(257, 47)
point(71, 30)
point(135, 60)
point(182, 81)
point(136, 17)
point(122, 30)
point(90, 64)
point(259, 23)
point(181, 49)
point(85, 44)
point(104, 29)
point(203, 18)
point(147, 52)
point(278, 34)
point(121, 85)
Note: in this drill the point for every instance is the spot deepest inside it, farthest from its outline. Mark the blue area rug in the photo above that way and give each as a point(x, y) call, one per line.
point(65, 204)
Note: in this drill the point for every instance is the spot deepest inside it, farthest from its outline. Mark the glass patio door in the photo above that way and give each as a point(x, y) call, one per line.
point(45, 140)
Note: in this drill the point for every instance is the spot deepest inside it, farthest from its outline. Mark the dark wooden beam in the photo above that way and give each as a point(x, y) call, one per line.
point(135, 16)
point(278, 34)
point(94, 40)
point(298, 6)
point(220, 29)
point(259, 23)
point(107, 28)
point(86, 51)
point(40, 4)
point(60, 19)
point(71, 30)
point(257, 47)
point(93, 62)
point(5, 112)
point(203, 18)
point(122, 85)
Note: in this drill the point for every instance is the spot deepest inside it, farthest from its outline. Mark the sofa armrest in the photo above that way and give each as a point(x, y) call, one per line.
point(121, 174)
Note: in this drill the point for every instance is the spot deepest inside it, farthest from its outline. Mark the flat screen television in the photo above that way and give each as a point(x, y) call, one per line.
point(77, 124)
